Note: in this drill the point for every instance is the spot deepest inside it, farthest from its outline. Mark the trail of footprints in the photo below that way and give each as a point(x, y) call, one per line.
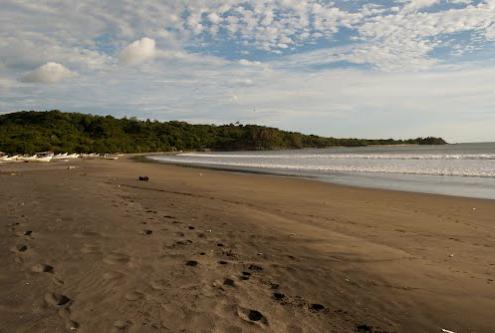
point(59, 302)
point(221, 253)
point(227, 256)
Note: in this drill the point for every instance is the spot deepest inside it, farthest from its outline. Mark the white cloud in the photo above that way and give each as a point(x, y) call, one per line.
point(418, 4)
point(138, 52)
point(197, 75)
point(51, 72)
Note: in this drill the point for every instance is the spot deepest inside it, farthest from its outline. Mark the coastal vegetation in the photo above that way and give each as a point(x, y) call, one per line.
point(28, 132)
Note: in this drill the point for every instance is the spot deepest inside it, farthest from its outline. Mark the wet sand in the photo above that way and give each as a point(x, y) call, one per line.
point(93, 249)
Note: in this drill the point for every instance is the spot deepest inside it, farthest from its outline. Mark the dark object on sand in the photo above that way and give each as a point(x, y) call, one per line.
point(144, 178)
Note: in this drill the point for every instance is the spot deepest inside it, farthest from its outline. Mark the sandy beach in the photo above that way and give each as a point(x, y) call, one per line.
point(92, 249)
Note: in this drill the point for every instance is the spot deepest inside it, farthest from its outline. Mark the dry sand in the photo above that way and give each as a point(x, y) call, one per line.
point(93, 249)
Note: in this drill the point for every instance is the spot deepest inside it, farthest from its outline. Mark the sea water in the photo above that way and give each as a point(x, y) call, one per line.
point(457, 169)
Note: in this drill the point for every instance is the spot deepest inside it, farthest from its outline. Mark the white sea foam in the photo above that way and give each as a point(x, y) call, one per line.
point(451, 161)
point(464, 169)
point(347, 156)
point(399, 168)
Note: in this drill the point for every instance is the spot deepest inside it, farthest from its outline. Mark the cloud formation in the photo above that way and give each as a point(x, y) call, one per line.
point(51, 72)
point(138, 52)
point(302, 64)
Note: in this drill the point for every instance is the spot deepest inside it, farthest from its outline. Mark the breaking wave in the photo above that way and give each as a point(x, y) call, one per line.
point(463, 165)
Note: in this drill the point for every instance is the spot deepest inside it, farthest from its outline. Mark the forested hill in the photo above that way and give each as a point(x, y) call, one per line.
point(29, 132)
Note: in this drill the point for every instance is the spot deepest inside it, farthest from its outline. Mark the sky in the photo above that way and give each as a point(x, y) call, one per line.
point(370, 69)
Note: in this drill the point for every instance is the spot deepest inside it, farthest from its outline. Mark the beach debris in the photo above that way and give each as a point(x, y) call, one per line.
point(451, 255)
point(144, 178)
point(447, 331)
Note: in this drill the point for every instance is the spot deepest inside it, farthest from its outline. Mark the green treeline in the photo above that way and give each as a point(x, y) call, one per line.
point(28, 132)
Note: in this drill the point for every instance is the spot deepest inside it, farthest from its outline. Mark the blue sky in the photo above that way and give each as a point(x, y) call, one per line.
point(398, 69)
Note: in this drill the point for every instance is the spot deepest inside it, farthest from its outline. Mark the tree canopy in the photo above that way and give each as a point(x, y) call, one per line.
point(28, 132)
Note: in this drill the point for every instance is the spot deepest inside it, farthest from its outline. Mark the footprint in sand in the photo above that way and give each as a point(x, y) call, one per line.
point(229, 282)
point(134, 296)
point(116, 258)
point(113, 275)
point(19, 248)
point(364, 328)
point(252, 316)
point(90, 249)
point(182, 242)
point(57, 281)
point(71, 325)
point(278, 296)
point(191, 263)
point(255, 268)
point(315, 307)
point(42, 268)
point(24, 233)
point(57, 300)
point(120, 326)
point(159, 284)
point(85, 234)
point(245, 276)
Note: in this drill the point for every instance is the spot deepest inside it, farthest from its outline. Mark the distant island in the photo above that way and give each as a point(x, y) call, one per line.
point(29, 132)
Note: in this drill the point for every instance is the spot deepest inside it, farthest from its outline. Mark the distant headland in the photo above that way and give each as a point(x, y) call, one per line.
point(28, 132)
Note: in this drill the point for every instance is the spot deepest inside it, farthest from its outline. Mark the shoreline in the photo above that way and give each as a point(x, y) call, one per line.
point(144, 159)
point(171, 253)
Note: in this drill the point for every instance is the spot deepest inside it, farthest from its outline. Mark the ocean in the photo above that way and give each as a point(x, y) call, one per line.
point(457, 169)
